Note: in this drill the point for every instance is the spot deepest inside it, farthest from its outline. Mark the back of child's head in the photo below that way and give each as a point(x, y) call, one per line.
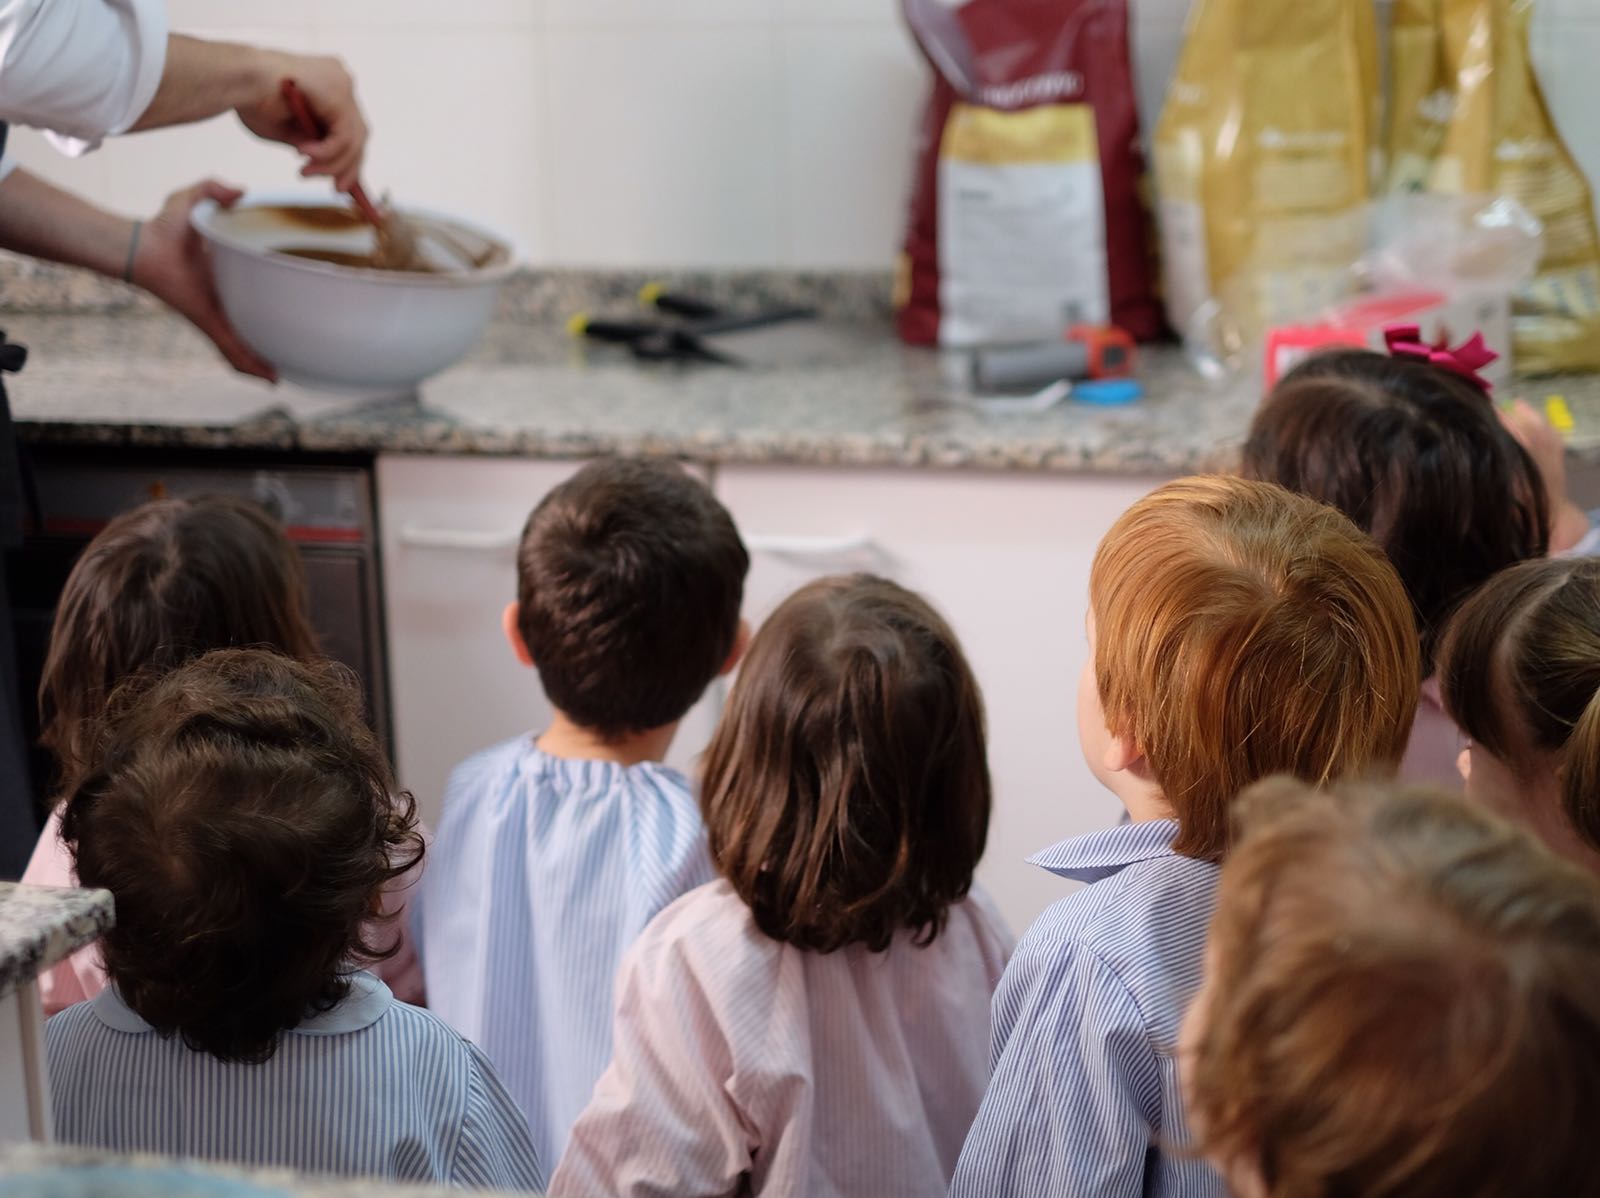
point(1416, 456)
point(157, 586)
point(1243, 631)
point(846, 790)
point(242, 816)
point(1519, 669)
point(1400, 1001)
point(630, 580)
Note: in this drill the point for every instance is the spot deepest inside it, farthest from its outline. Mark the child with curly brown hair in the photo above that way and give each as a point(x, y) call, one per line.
point(158, 586)
point(246, 824)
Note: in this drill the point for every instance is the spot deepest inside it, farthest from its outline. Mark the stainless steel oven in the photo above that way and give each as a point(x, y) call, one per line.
point(326, 509)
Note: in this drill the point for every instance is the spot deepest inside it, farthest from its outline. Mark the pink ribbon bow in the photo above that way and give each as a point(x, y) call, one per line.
point(1471, 356)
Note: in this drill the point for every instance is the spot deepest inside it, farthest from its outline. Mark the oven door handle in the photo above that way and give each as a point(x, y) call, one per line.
point(855, 544)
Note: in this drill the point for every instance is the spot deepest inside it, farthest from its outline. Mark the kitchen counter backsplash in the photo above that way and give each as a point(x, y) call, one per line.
point(531, 295)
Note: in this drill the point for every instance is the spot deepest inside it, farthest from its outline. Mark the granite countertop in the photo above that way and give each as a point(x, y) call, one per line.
point(849, 394)
point(109, 367)
point(58, 1171)
point(40, 925)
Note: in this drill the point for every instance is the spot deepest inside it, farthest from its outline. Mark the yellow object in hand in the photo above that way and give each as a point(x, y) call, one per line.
point(1559, 414)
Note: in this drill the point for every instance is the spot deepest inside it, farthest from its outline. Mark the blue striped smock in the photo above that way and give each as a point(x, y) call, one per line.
point(1085, 1087)
point(371, 1088)
point(543, 872)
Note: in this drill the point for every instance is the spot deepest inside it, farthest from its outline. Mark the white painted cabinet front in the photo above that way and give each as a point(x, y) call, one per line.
point(1005, 556)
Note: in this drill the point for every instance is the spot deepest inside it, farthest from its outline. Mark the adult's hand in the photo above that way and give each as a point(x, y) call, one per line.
point(1568, 522)
point(202, 78)
point(171, 264)
point(42, 221)
point(331, 93)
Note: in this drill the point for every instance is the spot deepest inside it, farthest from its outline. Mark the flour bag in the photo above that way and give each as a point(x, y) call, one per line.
point(1026, 213)
point(1263, 163)
point(1467, 115)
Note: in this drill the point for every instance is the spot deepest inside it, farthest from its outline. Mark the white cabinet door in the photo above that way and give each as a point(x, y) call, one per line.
point(1006, 558)
point(449, 528)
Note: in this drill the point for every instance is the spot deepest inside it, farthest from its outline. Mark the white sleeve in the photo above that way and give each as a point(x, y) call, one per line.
point(81, 69)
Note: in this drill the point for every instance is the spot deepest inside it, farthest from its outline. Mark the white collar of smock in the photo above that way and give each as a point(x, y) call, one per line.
point(366, 1003)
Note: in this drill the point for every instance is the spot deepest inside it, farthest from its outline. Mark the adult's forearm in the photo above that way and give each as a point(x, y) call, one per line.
point(45, 222)
point(203, 79)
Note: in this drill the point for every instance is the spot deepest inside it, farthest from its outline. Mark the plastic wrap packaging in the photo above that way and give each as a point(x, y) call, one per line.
point(1026, 214)
point(1263, 160)
point(1461, 245)
point(1467, 115)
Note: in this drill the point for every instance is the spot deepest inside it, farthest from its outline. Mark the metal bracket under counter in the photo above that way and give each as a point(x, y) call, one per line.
point(40, 926)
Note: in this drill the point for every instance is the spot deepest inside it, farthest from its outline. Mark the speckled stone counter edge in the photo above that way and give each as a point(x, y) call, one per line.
point(279, 434)
point(41, 925)
point(532, 294)
point(17, 1161)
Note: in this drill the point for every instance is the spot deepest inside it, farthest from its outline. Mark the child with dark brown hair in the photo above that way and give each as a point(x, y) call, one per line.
point(157, 587)
point(816, 1021)
point(1399, 1002)
point(246, 823)
point(555, 849)
point(1415, 453)
point(1520, 674)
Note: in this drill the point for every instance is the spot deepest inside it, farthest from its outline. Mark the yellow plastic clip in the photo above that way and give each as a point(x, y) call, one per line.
point(578, 325)
point(650, 293)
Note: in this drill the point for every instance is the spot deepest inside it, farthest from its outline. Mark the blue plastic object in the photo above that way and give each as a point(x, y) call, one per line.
point(1108, 392)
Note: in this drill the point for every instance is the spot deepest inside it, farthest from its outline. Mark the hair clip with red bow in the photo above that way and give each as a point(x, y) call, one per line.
point(1466, 360)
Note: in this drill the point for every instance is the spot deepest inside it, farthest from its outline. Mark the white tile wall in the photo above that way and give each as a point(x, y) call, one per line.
point(665, 144)
point(653, 132)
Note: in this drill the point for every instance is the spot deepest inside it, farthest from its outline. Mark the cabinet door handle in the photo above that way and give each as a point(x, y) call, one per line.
point(481, 540)
point(849, 545)
point(490, 539)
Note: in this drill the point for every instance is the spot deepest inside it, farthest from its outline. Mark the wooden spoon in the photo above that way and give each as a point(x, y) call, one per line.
point(397, 240)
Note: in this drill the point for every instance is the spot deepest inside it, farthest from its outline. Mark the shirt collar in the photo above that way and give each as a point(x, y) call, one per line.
point(1432, 692)
point(363, 1006)
point(586, 773)
point(1101, 854)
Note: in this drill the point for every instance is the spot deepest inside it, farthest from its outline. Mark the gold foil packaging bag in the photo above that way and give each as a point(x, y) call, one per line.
point(1467, 116)
point(1263, 160)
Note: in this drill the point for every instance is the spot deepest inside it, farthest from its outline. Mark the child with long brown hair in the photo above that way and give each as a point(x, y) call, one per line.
point(1520, 674)
point(156, 587)
point(1399, 1002)
point(817, 1020)
point(1412, 448)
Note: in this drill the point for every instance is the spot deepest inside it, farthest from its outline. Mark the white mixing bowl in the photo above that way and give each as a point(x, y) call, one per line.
point(339, 328)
